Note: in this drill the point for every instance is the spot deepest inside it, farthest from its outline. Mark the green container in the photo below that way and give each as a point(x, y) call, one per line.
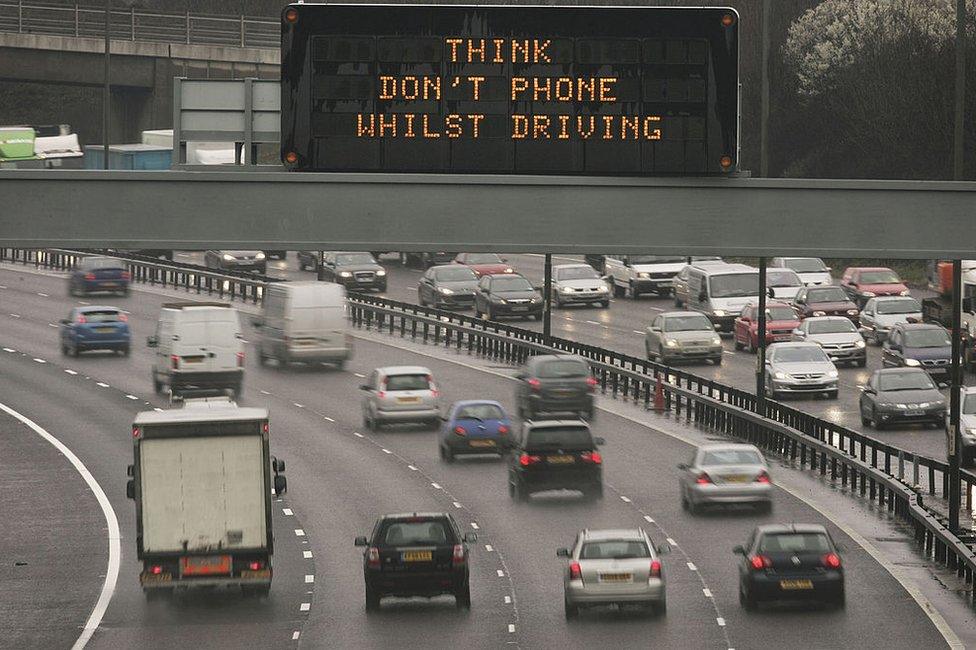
point(16, 143)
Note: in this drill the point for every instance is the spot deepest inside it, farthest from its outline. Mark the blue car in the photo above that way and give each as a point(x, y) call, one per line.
point(95, 328)
point(475, 427)
point(99, 274)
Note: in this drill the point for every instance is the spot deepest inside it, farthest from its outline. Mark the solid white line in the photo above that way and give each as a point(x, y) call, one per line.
point(648, 519)
point(295, 635)
point(299, 532)
point(309, 579)
point(307, 554)
point(287, 512)
point(132, 397)
point(114, 535)
point(70, 372)
point(305, 607)
point(102, 384)
point(39, 360)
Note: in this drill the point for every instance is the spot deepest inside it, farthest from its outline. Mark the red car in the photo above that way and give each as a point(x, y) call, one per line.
point(781, 320)
point(862, 283)
point(484, 263)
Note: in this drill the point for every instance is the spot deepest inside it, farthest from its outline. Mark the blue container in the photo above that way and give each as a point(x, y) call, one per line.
point(129, 156)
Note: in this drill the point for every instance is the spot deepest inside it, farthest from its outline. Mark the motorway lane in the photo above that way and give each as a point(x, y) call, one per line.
point(527, 536)
point(54, 547)
point(621, 328)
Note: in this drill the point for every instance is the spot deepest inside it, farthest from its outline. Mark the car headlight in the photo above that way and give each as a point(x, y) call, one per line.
point(860, 344)
point(716, 341)
point(445, 290)
point(259, 256)
point(719, 312)
point(906, 292)
point(819, 313)
point(535, 299)
point(779, 374)
point(380, 273)
point(971, 432)
point(345, 274)
point(602, 288)
point(566, 289)
point(832, 374)
point(852, 312)
point(868, 294)
point(671, 343)
point(643, 275)
point(501, 300)
point(509, 270)
point(912, 362)
point(941, 403)
point(901, 406)
point(228, 258)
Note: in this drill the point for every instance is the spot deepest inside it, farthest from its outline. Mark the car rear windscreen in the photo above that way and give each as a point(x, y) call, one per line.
point(614, 550)
point(480, 412)
point(103, 316)
point(794, 543)
point(563, 368)
point(407, 382)
point(731, 457)
point(560, 437)
point(416, 533)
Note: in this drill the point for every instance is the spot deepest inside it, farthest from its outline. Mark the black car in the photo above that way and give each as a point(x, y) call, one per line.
point(508, 294)
point(555, 455)
point(309, 260)
point(555, 384)
point(355, 271)
point(275, 254)
point(598, 262)
point(790, 562)
point(448, 286)
point(919, 345)
point(227, 260)
point(98, 274)
point(416, 554)
point(901, 395)
point(427, 260)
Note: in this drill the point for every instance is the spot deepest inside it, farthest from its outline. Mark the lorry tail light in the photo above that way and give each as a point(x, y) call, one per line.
point(266, 428)
point(534, 384)
point(525, 460)
point(135, 432)
point(174, 361)
point(123, 318)
point(373, 558)
point(575, 573)
point(760, 562)
point(240, 359)
point(458, 558)
point(655, 568)
point(703, 479)
point(831, 561)
point(82, 320)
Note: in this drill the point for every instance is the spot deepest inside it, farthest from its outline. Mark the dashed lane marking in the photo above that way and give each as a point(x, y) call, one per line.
point(692, 567)
point(15, 315)
point(501, 574)
point(51, 325)
point(264, 392)
point(436, 486)
point(9, 350)
point(637, 332)
point(102, 384)
point(43, 295)
point(648, 519)
point(309, 579)
point(360, 375)
point(299, 532)
point(301, 406)
point(295, 635)
point(386, 451)
point(39, 360)
point(157, 409)
point(488, 547)
point(672, 542)
point(411, 468)
point(70, 372)
point(474, 525)
point(305, 607)
point(624, 499)
point(707, 592)
point(132, 397)
point(511, 628)
point(327, 418)
point(357, 434)
point(287, 512)
point(720, 621)
point(508, 600)
point(458, 504)
point(307, 555)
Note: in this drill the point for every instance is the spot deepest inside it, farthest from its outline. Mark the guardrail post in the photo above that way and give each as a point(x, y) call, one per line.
point(242, 30)
point(76, 20)
point(187, 26)
point(901, 465)
point(20, 16)
point(915, 470)
point(132, 22)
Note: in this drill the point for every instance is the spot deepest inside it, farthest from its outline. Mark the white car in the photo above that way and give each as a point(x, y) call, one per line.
point(837, 335)
point(799, 368)
point(578, 284)
point(400, 394)
point(783, 284)
point(881, 314)
point(811, 270)
point(726, 474)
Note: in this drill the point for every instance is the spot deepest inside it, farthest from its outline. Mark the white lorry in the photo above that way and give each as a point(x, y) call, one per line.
point(202, 481)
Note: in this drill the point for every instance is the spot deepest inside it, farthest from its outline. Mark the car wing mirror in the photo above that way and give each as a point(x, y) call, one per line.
point(65, 321)
point(365, 387)
point(798, 331)
point(257, 321)
point(771, 292)
point(130, 489)
point(943, 384)
point(562, 552)
point(663, 549)
point(738, 550)
point(152, 341)
point(840, 548)
point(361, 541)
point(471, 538)
point(682, 466)
point(280, 484)
point(702, 297)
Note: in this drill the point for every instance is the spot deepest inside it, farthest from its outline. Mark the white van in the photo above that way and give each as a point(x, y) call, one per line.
point(720, 291)
point(199, 346)
point(304, 321)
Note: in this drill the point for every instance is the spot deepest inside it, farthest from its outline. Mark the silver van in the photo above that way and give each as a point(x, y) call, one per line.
point(303, 321)
point(720, 291)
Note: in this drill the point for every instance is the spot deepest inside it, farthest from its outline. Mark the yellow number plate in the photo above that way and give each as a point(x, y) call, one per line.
point(482, 443)
point(560, 460)
point(736, 479)
point(408, 400)
point(417, 556)
point(795, 584)
point(616, 577)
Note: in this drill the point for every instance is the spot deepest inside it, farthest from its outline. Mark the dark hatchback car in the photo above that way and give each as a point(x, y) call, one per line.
point(475, 427)
point(555, 384)
point(99, 274)
point(901, 395)
point(355, 271)
point(95, 328)
point(790, 562)
point(555, 455)
point(451, 286)
point(507, 294)
point(825, 301)
point(919, 345)
point(417, 554)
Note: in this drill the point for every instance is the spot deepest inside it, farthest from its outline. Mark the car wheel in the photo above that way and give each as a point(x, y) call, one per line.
point(661, 608)
point(864, 419)
point(489, 314)
point(736, 343)
point(605, 304)
point(832, 394)
point(618, 291)
point(752, 346)
point(875, 420)
point(765, 507)
point(516, 491)
point(372, 599)
point(462, 598)
point(125, 351)
point(557, 303)
point(537, 316)
point(595, 493)
point(717, 360)
point(684, 501)
point(840, 601)
point(747, 600)
point(632, 292)
point(571, 610)
point(262, 357)
point(862, 362)
point(420, 299)
point(239, 390)
point(446, 454)
point(647, 351)
point(157, 385)
point(677, 302)
point(64, 350)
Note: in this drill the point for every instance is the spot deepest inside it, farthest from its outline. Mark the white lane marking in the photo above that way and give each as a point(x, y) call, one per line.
point(387, 451)
point(357, 434)
point(111, 521)
point(102, 384)
point(457, 504)
point(672, 542)
point(39, 360)
point(287, 512)
point(264, 392)
point(9, 350)
point(82, 302)
point(70, 372)
point(301, 406)
point(3, 286)
point(15, 315)
point(157, 409)
point(501, 574)
point(43, 295)
point(411, 468)
point(707, 592)
point(720, 621)
point(309, 579)
point(593, 322)
point(299, 532)
point(624, 499)
point(133, 397)
point(51, 325)
point(436, 486)
point(692, 567)
point(360, 375)
point(305, 607)
point(648, 519)
point(307, 555)
point(637, 332)
point(474, 525)
point(489, 548)
point(295, 635)
point(327, 418)
point(511, 628)
point(508, 600)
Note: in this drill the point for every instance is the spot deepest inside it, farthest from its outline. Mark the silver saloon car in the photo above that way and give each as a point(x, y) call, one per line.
point(725, 474)
point(400, 394)
point(578, 284)
point(614, 567)
point(682, 336)
point(799, 368)
point(837, 335)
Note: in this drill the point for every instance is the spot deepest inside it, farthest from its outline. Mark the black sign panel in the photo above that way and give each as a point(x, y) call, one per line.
point(510, 90)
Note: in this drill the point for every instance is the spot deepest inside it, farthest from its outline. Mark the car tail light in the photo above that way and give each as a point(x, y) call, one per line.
point(703, 479)
point(502, 429)
point(373, 558)
point(591, 457)
point(89, 276)
point(534, 384)
point(125, 275)
point(525, 460)
point(82, 320)
point(760, 562)
point(155, 569)
point(256, 565)
point(240, 359)
point(763, 477)
point(831, 561)
point(174, 361)
point(461, 431)
point(434, 392)
point(381, 394)
point(123, 318)
point(575, 573)
point(655, 568)
point(135, 432)
point(458, 558)
point(592, 383)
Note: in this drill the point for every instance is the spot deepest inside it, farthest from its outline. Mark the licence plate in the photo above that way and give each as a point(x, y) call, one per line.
point(738, 478)
point(560, 460)
point(914, 412)
point(616, 577)
point(520, 309)
point(206, 565)
point(417, 556)
point(481, 443)
point(782, 337)
point(408, 400)
point(192, 359)
point(795, 584)
point(104, 330)
point(109, 284)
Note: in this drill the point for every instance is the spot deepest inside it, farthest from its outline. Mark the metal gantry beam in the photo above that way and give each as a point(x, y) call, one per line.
point(417, 212)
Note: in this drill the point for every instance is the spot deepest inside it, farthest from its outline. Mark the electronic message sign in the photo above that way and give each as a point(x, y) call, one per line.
point(509, 90)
